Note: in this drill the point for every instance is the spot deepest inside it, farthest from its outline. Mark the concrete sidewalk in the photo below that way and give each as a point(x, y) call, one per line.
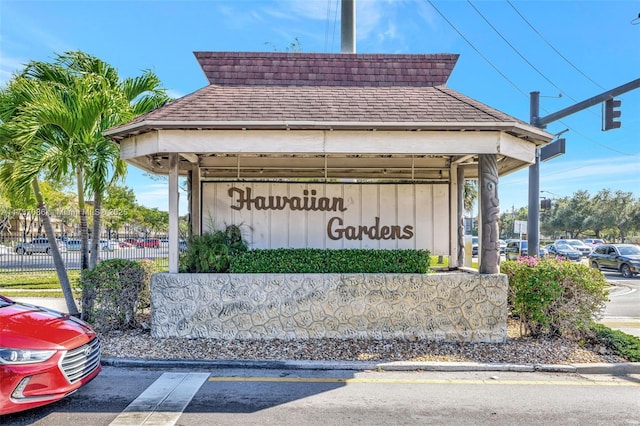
point(625, 324)
point(616, 369)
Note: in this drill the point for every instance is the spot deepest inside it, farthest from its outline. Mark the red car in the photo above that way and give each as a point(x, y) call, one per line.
point(45, 355)
point(148, 242)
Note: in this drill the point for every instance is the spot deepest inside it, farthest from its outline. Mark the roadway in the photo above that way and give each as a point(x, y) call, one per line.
point(338, 397)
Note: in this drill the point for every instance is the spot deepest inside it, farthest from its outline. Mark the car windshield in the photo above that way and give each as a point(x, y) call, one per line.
point(563, 246)
point(5, 302)
point(575, 243)
point(629, 250)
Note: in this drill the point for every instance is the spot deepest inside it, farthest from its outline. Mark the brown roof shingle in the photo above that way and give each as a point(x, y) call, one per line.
point(325, 69)
point(348, 91)
point(279, 104)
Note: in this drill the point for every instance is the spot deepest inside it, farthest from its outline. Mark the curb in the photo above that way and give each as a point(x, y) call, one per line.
point(616, 369)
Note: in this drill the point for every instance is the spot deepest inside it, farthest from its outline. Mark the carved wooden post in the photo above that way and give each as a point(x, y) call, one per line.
point(490, 213)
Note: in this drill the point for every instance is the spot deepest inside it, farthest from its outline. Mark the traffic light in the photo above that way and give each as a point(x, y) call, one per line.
point(545, 204)
point(611, 112)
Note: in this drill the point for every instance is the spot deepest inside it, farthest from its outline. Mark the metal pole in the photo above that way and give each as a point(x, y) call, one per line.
point(533, 212)
point(627, 87)
point(348, 27)
point(533, 218)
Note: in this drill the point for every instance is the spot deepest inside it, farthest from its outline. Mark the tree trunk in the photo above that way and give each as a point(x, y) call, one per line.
point(55, 252)
point(84, 230)
point(95, 230)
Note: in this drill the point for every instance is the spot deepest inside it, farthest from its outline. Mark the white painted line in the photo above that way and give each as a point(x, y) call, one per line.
point(162, 403)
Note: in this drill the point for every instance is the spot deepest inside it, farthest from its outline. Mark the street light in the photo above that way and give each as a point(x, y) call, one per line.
point(552, 193)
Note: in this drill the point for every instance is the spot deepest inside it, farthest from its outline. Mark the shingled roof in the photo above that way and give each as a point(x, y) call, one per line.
point(314, 69)
point(316, 91)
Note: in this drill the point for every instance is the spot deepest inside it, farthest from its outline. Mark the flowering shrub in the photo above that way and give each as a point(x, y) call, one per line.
point(554, 296)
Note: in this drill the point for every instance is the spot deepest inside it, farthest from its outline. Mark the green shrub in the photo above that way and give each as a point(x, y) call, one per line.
point(114, 292)
point(554, 297)
point(212, 252)
point(315, 261)
point(623, 344)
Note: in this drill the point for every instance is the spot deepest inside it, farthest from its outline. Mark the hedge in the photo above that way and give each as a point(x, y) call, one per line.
point(317, 261)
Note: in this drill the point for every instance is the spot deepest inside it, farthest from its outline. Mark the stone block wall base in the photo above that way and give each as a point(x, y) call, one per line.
point(456, 307)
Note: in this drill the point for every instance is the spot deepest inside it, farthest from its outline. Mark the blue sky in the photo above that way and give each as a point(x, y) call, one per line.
point(507, 49)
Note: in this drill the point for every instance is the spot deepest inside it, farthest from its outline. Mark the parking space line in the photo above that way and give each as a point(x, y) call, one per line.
point(163, 402)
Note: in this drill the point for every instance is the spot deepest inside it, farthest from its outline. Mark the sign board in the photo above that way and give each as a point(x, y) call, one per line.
point(331, 215)
point(520, 226)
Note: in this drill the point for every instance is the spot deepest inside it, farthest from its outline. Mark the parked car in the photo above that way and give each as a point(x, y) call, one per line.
point(38, 245)
point(4, 250)
point(474, 246)
point(182, 244)
point(564, 250)
point(584, 249)
point(593, 241)
point(73, 245)
point(518, 248)
point(125, 244)
point(148, 242)
point(503, 246)
point(623, 258)
point(109, 245)
point(515, 249)
point(45, 355)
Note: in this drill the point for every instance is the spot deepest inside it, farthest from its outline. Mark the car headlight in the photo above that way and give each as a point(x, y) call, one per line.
point(24, 356)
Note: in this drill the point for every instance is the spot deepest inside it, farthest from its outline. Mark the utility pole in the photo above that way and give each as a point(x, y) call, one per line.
point(348, 26)
point(533, 218)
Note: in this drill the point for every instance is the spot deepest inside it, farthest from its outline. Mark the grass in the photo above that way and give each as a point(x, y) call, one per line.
point(45, 283)
point(36, 280)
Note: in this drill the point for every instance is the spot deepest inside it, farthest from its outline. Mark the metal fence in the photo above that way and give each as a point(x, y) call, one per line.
point(18, 255)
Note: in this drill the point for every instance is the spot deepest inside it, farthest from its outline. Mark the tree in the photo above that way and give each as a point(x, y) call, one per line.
point(153, 220)
point(25, 156)
point(61, 205)
point(622, 207)
point(93, 100)
point(602, 217)
point(120, 203)
point(570, 214)
point(507, 221)
point(470, 194)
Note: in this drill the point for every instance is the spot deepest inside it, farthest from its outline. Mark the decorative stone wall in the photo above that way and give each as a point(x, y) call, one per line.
point(446, 307)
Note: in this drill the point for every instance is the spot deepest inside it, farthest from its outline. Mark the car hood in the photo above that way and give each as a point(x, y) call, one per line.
point(28, 326)
point(631, 257)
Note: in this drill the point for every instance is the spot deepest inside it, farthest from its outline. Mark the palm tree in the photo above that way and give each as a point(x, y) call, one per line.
point(470, 194)
point(24, 158)
point(81, 97)
point(95, 160)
